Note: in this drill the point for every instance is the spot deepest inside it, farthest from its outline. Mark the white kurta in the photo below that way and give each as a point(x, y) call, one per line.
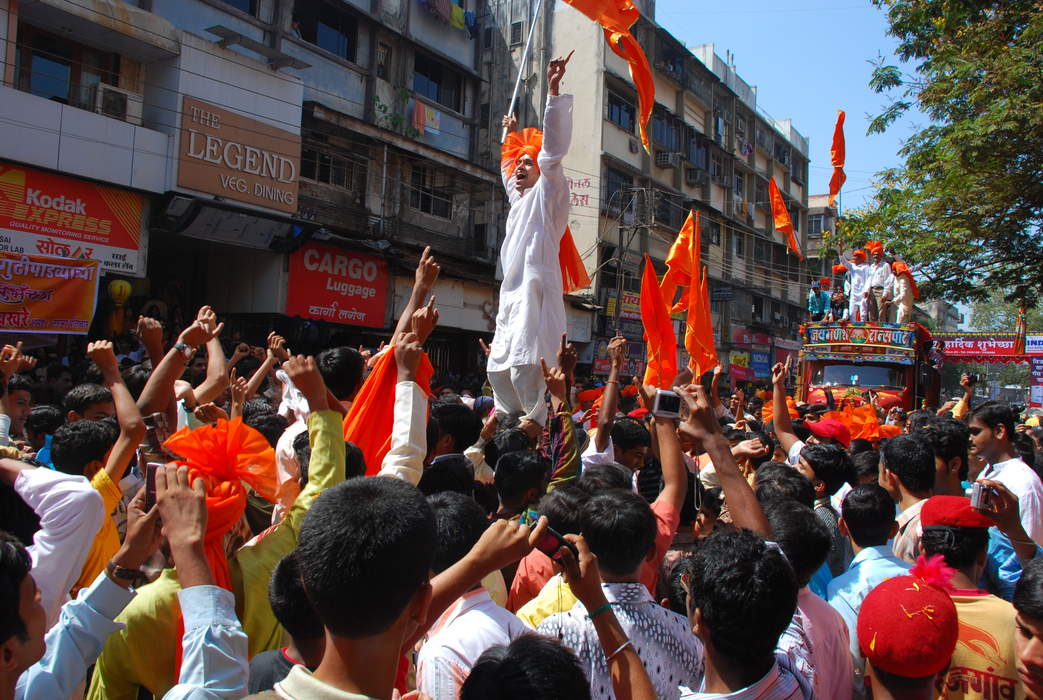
point(531, 317)
point(859, 276)
point(880, 275)
point(902, 293)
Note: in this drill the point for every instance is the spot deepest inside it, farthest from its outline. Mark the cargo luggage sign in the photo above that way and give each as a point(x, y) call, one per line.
point(336, 285)
point(45, 214)
point(40, 294)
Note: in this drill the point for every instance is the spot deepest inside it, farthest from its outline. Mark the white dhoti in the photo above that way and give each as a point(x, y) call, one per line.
point(520, 390)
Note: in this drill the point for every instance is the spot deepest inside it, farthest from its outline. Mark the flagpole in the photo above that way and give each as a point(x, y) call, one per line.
point(521, 67)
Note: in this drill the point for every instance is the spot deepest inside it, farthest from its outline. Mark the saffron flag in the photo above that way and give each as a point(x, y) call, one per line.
point(1020, 331)
point(837, 155)
point(573, 272)
point(698, 336)
point(659, 331)
point(372, 415)
point(709, 347)
point(780, 214)
point(679, 265)
point(617, 17)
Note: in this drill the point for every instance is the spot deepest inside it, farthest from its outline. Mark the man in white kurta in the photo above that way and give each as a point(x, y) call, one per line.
point(858, 272)
point(902, 292)
point(879, 283)
point(531, 317)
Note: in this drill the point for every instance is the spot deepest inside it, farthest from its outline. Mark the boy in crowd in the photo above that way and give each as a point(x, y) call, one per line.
point(828, 467)
point(907, 474)
point(1028, 641)
point(88, 402)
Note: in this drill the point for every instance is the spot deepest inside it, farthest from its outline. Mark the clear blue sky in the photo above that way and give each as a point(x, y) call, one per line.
point(807, 59)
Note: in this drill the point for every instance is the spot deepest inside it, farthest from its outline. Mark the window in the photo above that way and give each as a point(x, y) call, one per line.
point(434, 79)
point(327, 26)
point(712, 233)
point(429, 195)
point(698, 152)
point(762, 251)
point(740, 126)
point(617, 182)
point(247, 6)
point(383, 61)
point(517, 29)
point(781, 151)
point(671, 61)
point(740, 186)
point(794, 216)
point(664, 130)
point(738, 244)
point(758, 308)
point(815, 224)
point(58, 69)
point(716, 166)
point(668, 212)
point(762, 194)
point(620, 112)
point(333, 170)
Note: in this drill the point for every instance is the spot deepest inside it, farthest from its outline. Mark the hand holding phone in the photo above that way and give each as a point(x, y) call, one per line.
point(551, 542)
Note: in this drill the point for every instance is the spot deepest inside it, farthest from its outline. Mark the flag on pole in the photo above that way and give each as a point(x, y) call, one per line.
point(698, 336)
point(659, 331)
point(679, 265)
point(573, 272)
point(837, 155)
point(780, 214)
point(1020, 331)
point(617, 17)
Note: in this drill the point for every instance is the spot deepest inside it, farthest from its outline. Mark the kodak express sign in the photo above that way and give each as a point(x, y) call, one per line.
point(45, 214)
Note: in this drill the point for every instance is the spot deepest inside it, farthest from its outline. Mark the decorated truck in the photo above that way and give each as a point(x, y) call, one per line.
point(896, 361)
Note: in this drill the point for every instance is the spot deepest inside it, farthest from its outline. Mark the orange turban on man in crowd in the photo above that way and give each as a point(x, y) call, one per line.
point(875, 248)
point(825, 283)
point(859, 256)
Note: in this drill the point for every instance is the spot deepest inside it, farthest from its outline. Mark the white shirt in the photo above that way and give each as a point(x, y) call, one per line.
point(901, 289)
point(405, 459)
point(880, 275)
point(456, 640)
point(859, 276)
point(531, 317)
point(1024, 483)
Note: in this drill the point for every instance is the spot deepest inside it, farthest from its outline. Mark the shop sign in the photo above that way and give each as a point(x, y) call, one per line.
point(722, 294)
point(739, 365)
point(634, 330)
point(860, 335)
point(744, 336)
point(226, 154)
point(631, 307)
point(42, 294)
point(55, 216)
point(339, 286)
point(1037, 370)
point(786, 344)
point(986, 345)
point(760, 363)
point(633, 362)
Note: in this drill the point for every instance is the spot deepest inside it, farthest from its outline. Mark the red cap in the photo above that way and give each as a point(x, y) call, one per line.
point(589, 395)
point(952, 511)
point(628, 390)
point(638, 413)
point(831, 428)
point(908, 627)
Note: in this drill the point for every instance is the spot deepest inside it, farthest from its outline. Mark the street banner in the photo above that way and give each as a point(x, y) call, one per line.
point(980, 347)
point(45, 214)
point(40, 294)
point(1036, 388)
point(337, 285)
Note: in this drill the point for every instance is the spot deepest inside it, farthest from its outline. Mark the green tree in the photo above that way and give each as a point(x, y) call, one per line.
point(966, 207)
point(996, 315)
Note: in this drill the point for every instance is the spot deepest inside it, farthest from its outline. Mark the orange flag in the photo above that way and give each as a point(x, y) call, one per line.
point(659, 331)
point(780, 214)
point(698, 336)
point(837, 155)
point(709, 347)
point(1019, 331)
point(679, 265)
point(573, 272)
point(617, 17)
point(368, 423)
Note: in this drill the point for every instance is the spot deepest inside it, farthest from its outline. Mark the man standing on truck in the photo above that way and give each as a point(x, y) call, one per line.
point(858, 277)
point(879, 283)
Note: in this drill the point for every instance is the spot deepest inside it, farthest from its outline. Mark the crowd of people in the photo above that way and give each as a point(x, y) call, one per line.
point(180, 523)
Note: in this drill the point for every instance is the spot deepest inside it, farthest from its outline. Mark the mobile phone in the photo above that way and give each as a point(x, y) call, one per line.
point(551, 542)
point(667, 404)
point(150, 484)
point(981, 496)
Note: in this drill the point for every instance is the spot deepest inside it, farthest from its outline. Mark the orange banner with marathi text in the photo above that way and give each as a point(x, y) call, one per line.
point(40, 294)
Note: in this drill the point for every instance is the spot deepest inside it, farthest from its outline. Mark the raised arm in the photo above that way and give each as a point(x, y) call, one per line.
point(557, 119)
point(780, 416)
point(610, 399)
point(158, 393)
point(216, 366)
point(132, 427)
point(565, 456)
point(675, 475)
point(405, 459)
point(426, 273)
point(703, 427)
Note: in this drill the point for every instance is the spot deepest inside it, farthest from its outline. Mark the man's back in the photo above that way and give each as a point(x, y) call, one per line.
point(818, 644)
point(984, 664)
point(671, 653)
point(869, 568)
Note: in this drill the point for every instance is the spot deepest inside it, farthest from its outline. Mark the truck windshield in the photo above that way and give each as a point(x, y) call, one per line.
point(859, 375)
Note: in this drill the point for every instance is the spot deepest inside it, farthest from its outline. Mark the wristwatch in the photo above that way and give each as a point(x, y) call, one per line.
point(135, 577)
point(186, 350)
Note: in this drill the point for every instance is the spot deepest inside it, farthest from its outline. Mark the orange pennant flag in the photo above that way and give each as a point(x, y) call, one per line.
point(372, 414)
point(698, 337)
point(780, 214)
point(617, 17)
point(679, 265)
point(573, 272)
point(837, 155)
point(659, 331)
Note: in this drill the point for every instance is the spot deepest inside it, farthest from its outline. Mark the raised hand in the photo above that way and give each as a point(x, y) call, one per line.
point(505, 542)
point(10, 359)
point(241, 350)
point(407, 357)
point(582, 573)
point(701, 423)
point(143, 534)
point(209, 413)
point(424, 320)
point(617, 350)
point(103, 355)
point(568, 357)
point(258, 353)
point(426, 272)
point(555, 380)
point(484, 346)
point(277, 347)
point(489, 427)
point(239, 388)
point(304, 374)
point(556, 71)
point(509, 122)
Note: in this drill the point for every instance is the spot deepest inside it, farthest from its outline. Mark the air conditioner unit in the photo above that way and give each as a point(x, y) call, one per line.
point(667, 159)
point(695, 176)
point(634, 146)
point(118, 103)
point(720, 180)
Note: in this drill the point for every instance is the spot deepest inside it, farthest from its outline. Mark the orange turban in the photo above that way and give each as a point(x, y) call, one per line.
point(628, 390)
point(900, 268)
point(825, 282)
point(526, 142)
point(859, 255)
point(875, 248)
point(589, 395)
point(839, 269)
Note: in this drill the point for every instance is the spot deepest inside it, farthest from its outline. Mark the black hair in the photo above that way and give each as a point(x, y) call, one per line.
point(869, 514)
point(620, 529)
point(866, 464)
point(676, 594)
point(136, 377)
point(19, 382)
point(918, 419)
point(83, 396)
point(995, 414)
point(711, 500)
point(256, 407)
point(44, 420)
point(14, 567)
point(831, 464)
point(457, 421)
point(766, 440)
point(600, 477)
point(803, 537)
point(959, 545)
point(564, 508)
point(289, 602)
point(510, 440)
point(628, 433)
point(459, 523)
point(519, 472)
point(911, 459)
point(532, 667)
point(734, 435)
point(860, 445)
point(270, 425)
point(775, 481)
point(341, 368)
point(354, 460)
point(949, 438)
point(365, 549)
point(1028, 592)
point(56, 370)
point(448, 473)
point(746, 594)
point(76, 444)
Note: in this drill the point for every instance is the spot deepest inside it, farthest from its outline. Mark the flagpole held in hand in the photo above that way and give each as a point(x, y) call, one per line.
point(521, 67)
